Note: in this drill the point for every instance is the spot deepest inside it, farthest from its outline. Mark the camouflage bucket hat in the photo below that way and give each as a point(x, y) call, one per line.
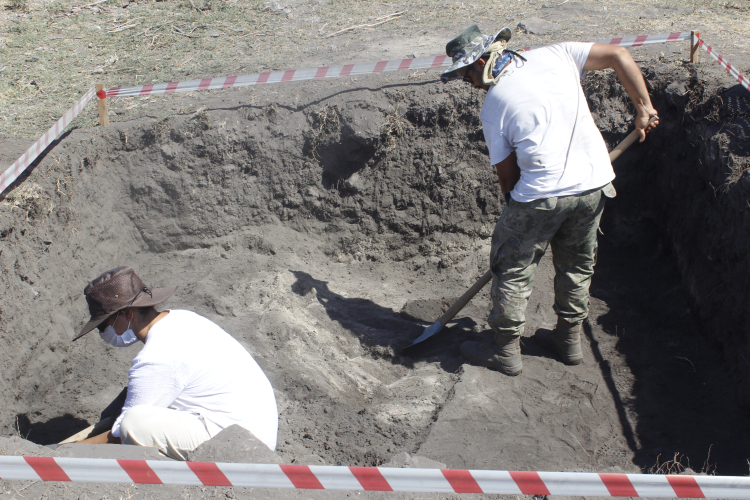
point(468, 47)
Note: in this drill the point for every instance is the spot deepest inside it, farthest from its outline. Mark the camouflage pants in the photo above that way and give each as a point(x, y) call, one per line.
point(521, 237)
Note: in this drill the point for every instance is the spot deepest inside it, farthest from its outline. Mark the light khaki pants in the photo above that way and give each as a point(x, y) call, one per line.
point(172, 432)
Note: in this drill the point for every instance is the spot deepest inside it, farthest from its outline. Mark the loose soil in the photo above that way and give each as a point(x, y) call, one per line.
point(325, 224)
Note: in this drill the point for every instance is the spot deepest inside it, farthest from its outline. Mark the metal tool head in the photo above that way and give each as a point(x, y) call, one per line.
point(428, 332)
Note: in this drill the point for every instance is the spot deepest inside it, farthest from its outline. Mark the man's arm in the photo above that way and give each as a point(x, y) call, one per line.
point(508, 173)
point(619, 59)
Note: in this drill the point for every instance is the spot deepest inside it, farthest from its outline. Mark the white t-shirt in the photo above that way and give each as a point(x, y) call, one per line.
point(538, 110)
point(189, 363)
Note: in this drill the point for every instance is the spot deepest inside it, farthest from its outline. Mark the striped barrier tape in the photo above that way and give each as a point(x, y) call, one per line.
point(11, 174)
point(294, 75)
point(298, 75)
point(371, 478)
point(732, 70)
point(639, 41)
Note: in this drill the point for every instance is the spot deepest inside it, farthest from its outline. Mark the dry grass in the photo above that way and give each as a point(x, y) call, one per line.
point(394, 127)
point(680, 464)
point(51, 51)
point(31, 200)
point(326, 121)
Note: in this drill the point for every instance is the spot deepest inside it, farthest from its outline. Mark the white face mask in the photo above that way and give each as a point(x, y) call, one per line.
point(110, 336)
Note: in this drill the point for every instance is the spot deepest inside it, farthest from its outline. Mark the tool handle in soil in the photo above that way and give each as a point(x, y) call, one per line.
point(455, 308)
point(627, 142)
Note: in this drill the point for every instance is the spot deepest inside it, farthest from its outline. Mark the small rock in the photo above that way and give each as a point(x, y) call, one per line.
point(310, 460)
point(398, 460)
point(234, 444)
point(417, 462)
point(353, 181)
point(312, 192)
point(32, 59)
point(404, 460)
point(537, 26)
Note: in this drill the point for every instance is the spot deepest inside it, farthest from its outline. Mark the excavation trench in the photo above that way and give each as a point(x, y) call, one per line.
point(325, 231)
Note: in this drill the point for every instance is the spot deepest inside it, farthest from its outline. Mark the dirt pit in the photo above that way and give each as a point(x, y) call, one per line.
point(325, 231)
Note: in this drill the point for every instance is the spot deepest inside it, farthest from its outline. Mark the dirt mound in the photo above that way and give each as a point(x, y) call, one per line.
point(326, 230)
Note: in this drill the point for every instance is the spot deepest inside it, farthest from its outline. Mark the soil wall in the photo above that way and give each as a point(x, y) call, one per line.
point(692, 181)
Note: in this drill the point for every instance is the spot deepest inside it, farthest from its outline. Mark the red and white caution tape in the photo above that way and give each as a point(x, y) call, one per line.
point(31, 154)
point(638, 41)
point(294, 75)
point(297, 75)
point(371, 478)
point(732, 70)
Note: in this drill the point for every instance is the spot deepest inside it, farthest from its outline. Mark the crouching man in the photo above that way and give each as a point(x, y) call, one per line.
point(190, 380)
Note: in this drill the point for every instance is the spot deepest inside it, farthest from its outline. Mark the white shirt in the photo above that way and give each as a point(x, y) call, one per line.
point(190, 364)
point(538, 110)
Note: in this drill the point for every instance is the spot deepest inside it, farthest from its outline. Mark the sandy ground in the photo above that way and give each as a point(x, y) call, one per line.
point(325, 225)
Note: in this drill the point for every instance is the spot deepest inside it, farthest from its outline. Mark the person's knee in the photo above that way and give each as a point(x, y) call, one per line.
point(133, 424)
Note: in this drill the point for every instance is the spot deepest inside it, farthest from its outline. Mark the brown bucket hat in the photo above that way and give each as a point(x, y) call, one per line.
point(116, 290)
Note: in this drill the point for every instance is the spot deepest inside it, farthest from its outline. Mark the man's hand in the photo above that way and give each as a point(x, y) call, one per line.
point(618, 58)
point(642, 124)
point(103, 438)
point(508, 173)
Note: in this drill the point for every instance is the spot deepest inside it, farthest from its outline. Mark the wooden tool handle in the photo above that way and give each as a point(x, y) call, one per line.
point(627, 142)
point(465, 298)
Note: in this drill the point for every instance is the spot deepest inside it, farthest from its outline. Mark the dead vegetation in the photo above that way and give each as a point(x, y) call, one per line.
point(393, 128)
point(680, 464)
point(53, 51)
point(30, 199)
point(325, 121)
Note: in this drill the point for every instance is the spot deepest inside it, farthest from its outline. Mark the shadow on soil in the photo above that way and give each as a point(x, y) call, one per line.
point(683, 404)
point(52, 431)
point(375, 325)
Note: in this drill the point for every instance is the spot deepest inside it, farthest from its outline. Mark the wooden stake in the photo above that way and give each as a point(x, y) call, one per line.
point(693, 48)
point(103, 107)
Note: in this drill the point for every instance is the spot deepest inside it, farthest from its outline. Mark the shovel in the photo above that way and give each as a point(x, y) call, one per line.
point(486, 277)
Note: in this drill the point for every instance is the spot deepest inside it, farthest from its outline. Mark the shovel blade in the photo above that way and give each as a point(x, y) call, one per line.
point(428, 332)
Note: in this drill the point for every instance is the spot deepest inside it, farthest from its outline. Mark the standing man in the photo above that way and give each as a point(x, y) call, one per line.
point(554, 170)
point(190, 380)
